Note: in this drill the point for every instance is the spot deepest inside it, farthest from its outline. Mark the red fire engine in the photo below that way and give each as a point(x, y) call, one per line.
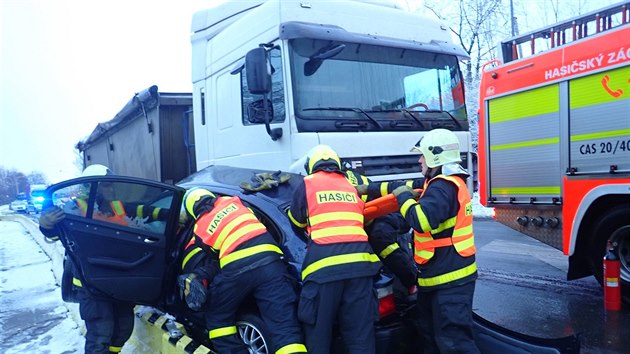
point(554, 138)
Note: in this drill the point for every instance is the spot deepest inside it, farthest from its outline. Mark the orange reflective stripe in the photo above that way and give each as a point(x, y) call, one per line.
point(440, 242)
point(228, 225)
point(227, 230)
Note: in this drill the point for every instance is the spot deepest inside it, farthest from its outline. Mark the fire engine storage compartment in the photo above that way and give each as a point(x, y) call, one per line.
point(151, 137)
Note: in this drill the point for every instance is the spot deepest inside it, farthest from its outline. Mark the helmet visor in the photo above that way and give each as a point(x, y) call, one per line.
point(416, 148)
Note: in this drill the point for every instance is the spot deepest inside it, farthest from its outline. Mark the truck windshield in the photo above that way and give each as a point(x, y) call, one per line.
point(341, 86)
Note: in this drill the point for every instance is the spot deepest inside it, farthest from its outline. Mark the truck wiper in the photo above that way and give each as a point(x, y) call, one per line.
point(406, 112)
point(347, 109)
point(459, 125)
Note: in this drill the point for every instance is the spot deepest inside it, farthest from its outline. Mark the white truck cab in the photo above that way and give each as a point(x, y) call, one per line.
point(272, 79)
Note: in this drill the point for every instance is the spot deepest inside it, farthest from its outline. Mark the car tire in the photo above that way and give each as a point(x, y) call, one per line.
point(254, 332)
point(614, 225)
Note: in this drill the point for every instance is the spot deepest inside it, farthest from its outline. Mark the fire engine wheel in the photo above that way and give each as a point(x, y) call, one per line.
point(614, 226)
point(254, 333)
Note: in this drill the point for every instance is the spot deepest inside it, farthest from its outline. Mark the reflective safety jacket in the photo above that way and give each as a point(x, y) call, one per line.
point(442, 219)
point(335, 212)
point(328, 206)
point(234, 232)
point(116, 206)
point(462, 237)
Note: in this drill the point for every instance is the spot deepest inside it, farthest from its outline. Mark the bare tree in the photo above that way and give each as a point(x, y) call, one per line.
point(12, 183)
point(474, 23)
point(37, 177)
point(477, 25)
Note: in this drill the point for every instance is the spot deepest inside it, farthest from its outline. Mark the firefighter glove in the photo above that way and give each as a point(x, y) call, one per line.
point(362, 189)
point(192, 290)
point(265, 180)
point(404, 189)
point(50, 217)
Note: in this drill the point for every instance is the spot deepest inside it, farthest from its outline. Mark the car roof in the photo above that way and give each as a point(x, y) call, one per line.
point(230, 178)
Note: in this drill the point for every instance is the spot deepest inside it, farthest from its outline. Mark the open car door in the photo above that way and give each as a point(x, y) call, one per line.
point(119, 233)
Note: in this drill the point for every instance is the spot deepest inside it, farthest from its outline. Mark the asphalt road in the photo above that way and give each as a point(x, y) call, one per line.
point(522, 286)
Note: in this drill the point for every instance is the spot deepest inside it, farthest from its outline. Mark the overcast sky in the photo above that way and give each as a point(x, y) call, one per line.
point(66, 65)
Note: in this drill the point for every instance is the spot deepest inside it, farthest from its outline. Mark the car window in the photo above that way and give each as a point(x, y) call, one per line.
point(122, 203)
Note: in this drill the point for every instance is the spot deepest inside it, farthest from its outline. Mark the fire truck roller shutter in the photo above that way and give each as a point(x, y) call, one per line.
point(525, 145)
point(600, 122)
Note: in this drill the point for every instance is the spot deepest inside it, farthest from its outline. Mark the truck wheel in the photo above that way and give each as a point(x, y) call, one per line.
point(614, 226)
point(254, 333)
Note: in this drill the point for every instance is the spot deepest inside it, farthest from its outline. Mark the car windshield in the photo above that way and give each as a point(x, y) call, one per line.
point(348, 85)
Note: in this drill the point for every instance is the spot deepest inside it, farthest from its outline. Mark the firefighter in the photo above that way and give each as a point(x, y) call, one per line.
point(339, 265)
point(444, 248)
point(250, 265)
point(383, 235)
point(198, 271)
point(108, 322)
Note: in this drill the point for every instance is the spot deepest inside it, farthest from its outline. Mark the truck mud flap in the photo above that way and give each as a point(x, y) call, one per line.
point(156, 332)
point(492, 338)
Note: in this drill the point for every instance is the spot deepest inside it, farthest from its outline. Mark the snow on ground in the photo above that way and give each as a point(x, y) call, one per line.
point(479, 211)
point(33, 318)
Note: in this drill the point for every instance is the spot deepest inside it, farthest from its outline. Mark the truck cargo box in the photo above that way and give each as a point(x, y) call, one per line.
point(151, 137)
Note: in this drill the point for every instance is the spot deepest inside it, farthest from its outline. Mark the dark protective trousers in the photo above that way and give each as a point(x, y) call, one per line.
point(445, 320)
point(383, 233)
point(275, 296)
point(352, 303)
point(108, 323)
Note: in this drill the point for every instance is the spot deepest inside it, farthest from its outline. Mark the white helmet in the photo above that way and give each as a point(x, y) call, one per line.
point(439, 147)
point(96, 170)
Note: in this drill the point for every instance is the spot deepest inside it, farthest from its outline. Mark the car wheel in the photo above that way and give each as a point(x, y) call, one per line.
point(254, 333)
point(614, 225)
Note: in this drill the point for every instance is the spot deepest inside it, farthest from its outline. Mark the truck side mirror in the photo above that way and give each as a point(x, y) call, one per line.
point(258, 71)
point(257, 111)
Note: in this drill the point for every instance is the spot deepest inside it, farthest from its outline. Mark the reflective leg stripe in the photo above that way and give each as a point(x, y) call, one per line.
point(388, 250)
point(113, 349)
point(292, 348)
point(77, 282)
point(448, 277)
point(339, 259)
point(222, 332)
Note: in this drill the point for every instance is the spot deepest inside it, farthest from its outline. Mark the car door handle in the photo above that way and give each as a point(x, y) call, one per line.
point(118, 264)
point(151, 240)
